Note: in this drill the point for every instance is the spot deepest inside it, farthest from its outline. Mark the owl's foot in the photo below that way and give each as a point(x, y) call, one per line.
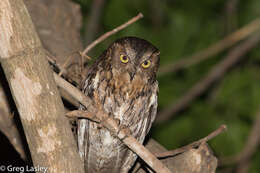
point(123, 132)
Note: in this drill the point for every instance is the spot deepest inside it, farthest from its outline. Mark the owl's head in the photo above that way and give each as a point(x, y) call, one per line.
point(134, 56)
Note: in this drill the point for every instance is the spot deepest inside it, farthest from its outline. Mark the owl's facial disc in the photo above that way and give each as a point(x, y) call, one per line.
point(135, 57)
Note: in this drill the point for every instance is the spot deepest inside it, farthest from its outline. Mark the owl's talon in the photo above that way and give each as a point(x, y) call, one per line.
point(126, 133)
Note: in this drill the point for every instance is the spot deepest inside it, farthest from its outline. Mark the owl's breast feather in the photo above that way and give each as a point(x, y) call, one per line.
point(128, 101)
point(129, 89)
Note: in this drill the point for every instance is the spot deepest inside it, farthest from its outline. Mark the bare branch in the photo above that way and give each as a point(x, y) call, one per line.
point(196, 160)
point(204, 54)
point(195, 144)
point(117, 29)
point(214, 74)
point(66, 63)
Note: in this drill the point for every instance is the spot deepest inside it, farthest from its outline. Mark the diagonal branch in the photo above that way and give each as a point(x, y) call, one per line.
point(195, 144)
point(215, 73)
point(107, 34)
point(204, 54)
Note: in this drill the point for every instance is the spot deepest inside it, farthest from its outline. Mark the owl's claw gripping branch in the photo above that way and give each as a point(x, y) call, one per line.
point(126, 132)
point(82, 114)
point(109, 123)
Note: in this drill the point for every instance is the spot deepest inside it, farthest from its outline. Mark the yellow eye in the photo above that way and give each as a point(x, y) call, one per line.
point(123, 59)
point(146, 64)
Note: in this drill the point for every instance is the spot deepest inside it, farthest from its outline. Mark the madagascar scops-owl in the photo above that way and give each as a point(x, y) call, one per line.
point(124, 79)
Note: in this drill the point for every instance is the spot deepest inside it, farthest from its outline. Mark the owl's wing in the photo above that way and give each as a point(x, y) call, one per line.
point(153, 104)
point(82, 124)
point(147, 123)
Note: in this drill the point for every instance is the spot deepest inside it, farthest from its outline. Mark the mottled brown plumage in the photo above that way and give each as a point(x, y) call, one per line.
point(124, 79)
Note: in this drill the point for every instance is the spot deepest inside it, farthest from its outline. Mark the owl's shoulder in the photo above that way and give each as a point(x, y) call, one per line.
point(153, 103)
point(155, 87)
point(94, 72)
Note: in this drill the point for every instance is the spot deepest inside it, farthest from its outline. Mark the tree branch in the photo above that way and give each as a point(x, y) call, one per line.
point(107, 34)
point(215, 73)
point(195, 144)
point(199, 160)
point(204, 54)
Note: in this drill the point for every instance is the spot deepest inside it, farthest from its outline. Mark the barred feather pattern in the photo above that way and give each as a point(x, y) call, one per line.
point(130, 99)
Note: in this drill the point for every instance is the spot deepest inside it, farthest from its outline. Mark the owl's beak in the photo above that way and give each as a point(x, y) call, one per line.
point(132, 75)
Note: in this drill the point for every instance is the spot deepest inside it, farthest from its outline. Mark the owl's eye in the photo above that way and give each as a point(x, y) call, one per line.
point(124, 59)
point(146, 64)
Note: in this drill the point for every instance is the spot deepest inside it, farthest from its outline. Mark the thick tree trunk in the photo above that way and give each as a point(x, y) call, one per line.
point(35, 93)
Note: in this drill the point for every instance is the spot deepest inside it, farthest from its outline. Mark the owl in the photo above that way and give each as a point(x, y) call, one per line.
point(123, 79)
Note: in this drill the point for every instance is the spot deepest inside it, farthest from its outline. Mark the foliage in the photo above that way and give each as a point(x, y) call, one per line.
point(179, 28)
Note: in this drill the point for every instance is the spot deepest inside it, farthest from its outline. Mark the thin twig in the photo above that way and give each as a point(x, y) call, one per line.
point(52, 60)
point(65, 64)
point(204, 54)
point(109, 123)
point(117, 29)
point(195, 144)
point(215, 73)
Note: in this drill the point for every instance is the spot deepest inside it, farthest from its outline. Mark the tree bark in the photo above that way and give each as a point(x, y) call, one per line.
point(35, 93)
point(200, 160)
point(58, 25)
